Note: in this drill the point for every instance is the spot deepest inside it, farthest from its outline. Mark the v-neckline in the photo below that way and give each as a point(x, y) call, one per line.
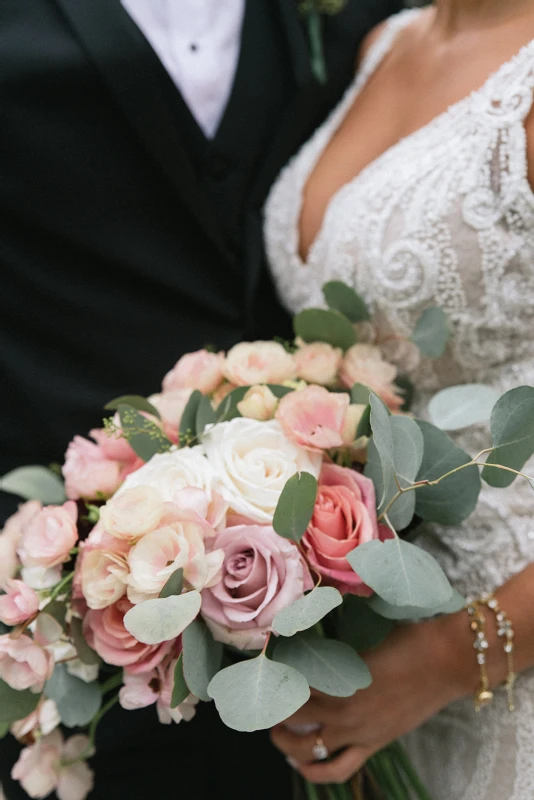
point(370, 64)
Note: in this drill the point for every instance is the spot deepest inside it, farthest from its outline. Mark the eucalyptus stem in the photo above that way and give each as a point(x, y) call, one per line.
point(61, 585)
point(112, 683)
point(94, 724)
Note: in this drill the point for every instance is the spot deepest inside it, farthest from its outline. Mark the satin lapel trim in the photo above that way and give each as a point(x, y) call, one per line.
point(135, 80)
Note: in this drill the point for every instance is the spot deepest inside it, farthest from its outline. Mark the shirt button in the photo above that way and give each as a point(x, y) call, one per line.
point(218, 166)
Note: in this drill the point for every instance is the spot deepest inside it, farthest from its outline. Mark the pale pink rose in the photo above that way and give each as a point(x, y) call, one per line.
point(220, 393)
point(46, 766)
point(114, 446)
point(105, 632)
point(177, 544)
point(249, 363)
point(149, 688)
point(352, 420)
point(87, 471)
point(104, 575)
point(344, 517)
point(318, 363)
point(18, 604)
point(403, 353)
point(132, 513)
point(171, 406)
point(42, 721)
point(258, 403)
point(49, 536)
point(10, 538)
point(23, 664)
point(314, 417)
point(262, 574)
point(201, 370)
point(363, 363)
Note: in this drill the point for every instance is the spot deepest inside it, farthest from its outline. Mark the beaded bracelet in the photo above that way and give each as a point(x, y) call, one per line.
point(505, 630)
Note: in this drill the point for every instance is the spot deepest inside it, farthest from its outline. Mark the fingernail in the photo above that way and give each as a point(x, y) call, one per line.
point(293, 763)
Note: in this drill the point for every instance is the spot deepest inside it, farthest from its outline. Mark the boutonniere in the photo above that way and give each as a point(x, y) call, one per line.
point(313, 11)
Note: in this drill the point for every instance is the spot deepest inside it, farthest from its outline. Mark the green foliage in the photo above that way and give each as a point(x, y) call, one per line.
point(360, 626)
point(390, 612)
point(512, 431)
point(77, 702)
point(15, 705)
point(202, 657)
point(162, 619)
point(455, 498)
point(329, 666)
point(462, 406)
point(188, 423)
point(432, 332)
point(401, 573)
point(295, 506)
point(258, 693)
point(134, 401)
point(85, 653)
point(180, 690)
point(205, 415)
point(342, 298)
point(383, 442)
point(144, 435)
point(307, 611)
point(174, 585)
point(320, 325)
point(34, 483)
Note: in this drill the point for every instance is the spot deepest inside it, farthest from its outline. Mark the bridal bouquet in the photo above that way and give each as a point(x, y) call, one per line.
point(239, 537)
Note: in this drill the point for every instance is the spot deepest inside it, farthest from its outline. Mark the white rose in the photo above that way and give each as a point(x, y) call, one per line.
point(253, 461)
point(172, 472)
point(249, 363)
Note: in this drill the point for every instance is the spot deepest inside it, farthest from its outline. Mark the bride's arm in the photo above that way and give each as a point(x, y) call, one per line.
point(419, 670)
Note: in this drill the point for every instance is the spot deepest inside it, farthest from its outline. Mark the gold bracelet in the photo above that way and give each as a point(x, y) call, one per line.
point(505, 630)
point(483, 695)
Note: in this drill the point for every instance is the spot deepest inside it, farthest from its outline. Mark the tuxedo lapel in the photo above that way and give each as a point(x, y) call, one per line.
point(137, 80)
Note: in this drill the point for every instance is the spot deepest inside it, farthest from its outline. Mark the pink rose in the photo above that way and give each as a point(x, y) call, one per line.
point(156, 687)
point(171, 406)
point(132, 513)
point(52, 764)
point(105, 632)
point(318, 363)
point(23, 664)
point(103, 575)
point(18, 604)
point(10, 537)
point(314, 417)
point(201, 370)
point(344, 517)
point(49, 536)
point(363, 363)
point(262, 574)
point(250, 363)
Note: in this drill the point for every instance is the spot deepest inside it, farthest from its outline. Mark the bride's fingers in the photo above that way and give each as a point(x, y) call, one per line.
point(339, 769)
point(300, 748)
point(309, 714)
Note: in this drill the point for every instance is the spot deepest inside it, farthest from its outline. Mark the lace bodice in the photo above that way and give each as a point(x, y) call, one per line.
point(445, 217)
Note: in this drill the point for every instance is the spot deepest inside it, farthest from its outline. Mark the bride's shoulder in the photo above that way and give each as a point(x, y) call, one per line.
point(409, 22)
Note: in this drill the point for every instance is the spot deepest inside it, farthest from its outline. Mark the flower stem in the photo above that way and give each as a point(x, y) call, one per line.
point(56, 591)
point(112, 683)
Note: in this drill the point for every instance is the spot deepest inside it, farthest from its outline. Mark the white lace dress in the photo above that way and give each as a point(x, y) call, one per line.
point(445, 217)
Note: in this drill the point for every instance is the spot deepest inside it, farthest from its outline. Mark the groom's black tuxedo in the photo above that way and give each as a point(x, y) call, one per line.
point(126, 239)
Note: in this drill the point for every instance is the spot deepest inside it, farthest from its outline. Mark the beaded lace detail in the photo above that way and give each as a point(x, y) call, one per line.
point(445, 217)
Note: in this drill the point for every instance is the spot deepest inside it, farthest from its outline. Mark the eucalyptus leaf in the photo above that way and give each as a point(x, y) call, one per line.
point(227, 408)
point(383, 441)
point(278, 390)
point(16, 705)
point(320, 325)
point(307, 611)
point(258, 693)
point(77, 702)
point(4, 729)
point(329, 666)
point(134, 401)
point(85, 653)
point(47, 629)
point(34, 483)
point(174, 585)
point(295, 506)
point(401, 573)
point(360, 626)
point(180, 690)
point(162, 619)
point(432, 332)
point(188, 422)
point(144, 435)
point(454, 499)
point(462, 406)
point(390, 612)
point(58, 610)
point(359, 394)
point(205, 415)
point(341, 297)
point(202, 657)
point(512, 431)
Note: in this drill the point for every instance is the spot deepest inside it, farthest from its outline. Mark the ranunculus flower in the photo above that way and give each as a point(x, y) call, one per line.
point(10, 537)
point(318, 363)
point(314, 417)
point(262, 574)
point(52, 764)
point(18, 604)
point(344, 517)
point(171, 406)
point(148, 688)
point(363, 363)
point(105, 632)
point(132, 512)
point(24, 664)
point(201, 370)
point(104, 575)
point(177, 544)
point(49, 536)
point(253, 462)
point(42, 721)
point(249, 363)
point(87, 471)
point(258, 403)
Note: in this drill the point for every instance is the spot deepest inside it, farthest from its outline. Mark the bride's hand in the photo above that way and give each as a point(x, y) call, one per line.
point(416, 672)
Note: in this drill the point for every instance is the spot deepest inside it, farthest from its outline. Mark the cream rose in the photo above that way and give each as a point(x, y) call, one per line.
point(249, 363)
point(318, 362)
point(172, 472)
point(258, 403)
point(253, 461)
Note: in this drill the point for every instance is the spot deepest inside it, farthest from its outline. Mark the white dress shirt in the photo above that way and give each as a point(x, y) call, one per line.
point(198, 43)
